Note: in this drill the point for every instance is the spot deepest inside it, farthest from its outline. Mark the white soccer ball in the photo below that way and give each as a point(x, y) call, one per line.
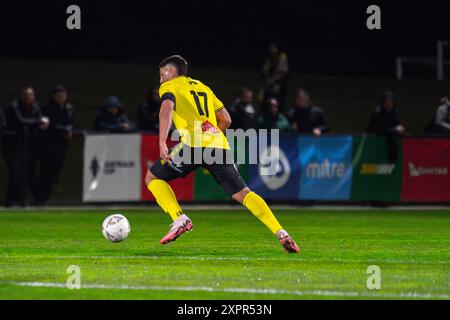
point(116, 228)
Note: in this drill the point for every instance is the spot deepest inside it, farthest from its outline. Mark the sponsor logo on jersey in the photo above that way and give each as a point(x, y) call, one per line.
point(208, 126)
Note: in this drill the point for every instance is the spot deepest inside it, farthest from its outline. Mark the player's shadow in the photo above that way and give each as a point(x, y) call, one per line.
point(148, 254)
point(194, 253)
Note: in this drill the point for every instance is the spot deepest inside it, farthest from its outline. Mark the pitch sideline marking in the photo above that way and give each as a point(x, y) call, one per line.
point(238, 290)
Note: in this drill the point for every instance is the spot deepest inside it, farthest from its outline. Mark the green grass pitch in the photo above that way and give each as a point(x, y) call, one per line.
point(228, 255)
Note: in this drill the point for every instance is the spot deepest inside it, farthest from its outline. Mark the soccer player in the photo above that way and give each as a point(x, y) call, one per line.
point(201, 119)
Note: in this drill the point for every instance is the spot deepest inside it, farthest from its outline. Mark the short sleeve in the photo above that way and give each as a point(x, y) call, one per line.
point(166, 92)
point(164, 89)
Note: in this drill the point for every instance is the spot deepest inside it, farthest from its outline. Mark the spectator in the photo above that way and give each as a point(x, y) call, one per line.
point(112, 117)
point(275, 70)
point(305, 117)
point(385, 120)
point(242, 112)
point(24, 122)
point(2, 123)
point(55, 141)
point(441, 121)
point(273, 118)
point(148, 111)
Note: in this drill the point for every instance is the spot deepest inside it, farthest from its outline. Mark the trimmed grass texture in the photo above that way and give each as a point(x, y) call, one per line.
point(228, 255)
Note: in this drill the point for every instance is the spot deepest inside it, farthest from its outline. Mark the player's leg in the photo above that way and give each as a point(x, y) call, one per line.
point(231, 181)
point(256, 205)
point(164, 195)
point(156, 180)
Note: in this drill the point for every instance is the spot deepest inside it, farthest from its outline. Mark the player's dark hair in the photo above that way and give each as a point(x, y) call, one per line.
point(178, 62)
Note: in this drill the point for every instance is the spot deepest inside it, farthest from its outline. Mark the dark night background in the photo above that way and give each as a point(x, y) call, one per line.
point(327, 37)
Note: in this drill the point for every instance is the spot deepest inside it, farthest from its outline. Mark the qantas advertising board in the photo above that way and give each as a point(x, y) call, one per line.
point(426, 170)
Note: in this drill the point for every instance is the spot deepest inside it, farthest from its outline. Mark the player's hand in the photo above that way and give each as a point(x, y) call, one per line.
point(125, 126)
point(317, 132)
point(163, 151)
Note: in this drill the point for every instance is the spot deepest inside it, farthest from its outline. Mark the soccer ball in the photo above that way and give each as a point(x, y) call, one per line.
point(116, 228)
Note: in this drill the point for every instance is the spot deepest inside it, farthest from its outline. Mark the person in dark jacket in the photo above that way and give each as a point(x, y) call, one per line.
point(148, 111)
point(275, 71)
point(305, 117)
point(441, 121)
point(55, 141)
point(24, 121)
point(273, 118)
point(2, 124)
point(242, 111)
point(385, 121)
point(112, 117)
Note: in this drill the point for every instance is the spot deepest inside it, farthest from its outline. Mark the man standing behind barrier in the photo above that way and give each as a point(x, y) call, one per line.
point(112, 117)
point(148, 111)
point(272, 118)
point(2, 125)
point(243, 112)
point(305, 117)
point(441, 121)
point(276, 72)
point(385, 120)
point(24, 120)
point(55, 141)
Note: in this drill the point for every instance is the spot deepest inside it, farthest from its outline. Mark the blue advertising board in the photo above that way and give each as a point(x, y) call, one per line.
point(326, 168)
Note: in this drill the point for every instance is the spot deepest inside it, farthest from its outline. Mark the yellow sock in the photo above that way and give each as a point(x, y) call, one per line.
point(261, 210)
point(165, 197)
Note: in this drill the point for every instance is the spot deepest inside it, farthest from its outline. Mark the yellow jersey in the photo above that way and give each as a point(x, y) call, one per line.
point(194, 114)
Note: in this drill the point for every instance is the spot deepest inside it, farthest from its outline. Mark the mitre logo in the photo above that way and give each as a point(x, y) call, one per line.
point(325, 170)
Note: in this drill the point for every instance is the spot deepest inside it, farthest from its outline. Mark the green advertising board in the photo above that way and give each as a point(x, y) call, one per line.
point(374, 178)
point(207, 189)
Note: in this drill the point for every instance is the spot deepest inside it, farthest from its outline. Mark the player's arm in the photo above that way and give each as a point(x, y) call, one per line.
point(222, 116)
point(223, 119)
point(165, 122)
